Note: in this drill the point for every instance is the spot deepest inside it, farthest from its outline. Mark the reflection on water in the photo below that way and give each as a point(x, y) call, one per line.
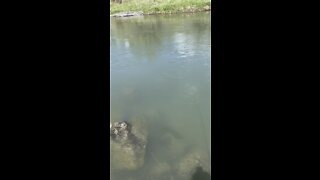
point(160, 68)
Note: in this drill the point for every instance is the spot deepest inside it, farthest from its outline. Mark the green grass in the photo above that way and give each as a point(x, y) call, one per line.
point(160, 6)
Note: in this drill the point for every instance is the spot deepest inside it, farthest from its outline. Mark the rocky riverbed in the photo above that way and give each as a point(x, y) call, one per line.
point(128, 145)
point(130, 153)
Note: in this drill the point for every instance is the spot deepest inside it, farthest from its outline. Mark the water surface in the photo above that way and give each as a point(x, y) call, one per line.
point(160, 69)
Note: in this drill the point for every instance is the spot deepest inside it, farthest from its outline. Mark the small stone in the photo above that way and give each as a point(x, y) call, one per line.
point(207, 8)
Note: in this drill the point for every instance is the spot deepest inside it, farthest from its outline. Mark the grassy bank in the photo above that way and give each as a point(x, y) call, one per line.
point(160, 6)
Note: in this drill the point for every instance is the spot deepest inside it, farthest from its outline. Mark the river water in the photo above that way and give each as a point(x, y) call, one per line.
point(161, 70)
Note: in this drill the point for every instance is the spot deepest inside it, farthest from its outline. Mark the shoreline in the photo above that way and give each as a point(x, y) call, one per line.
point(134, 14)
point(163, 7)
point(181, 12)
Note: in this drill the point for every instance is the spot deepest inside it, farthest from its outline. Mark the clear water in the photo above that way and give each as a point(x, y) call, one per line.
point(161, 69)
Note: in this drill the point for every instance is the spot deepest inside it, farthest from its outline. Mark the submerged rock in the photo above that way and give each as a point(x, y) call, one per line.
point(200, 175)
point(128, 145)
point(172, 146)
point(191, 163)
point(161, 168)
point(119, 131)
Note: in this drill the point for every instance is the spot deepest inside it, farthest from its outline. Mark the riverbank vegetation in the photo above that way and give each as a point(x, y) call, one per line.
point(159, 6)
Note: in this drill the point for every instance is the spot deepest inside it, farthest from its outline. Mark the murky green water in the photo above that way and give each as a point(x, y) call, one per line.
point(161, 71)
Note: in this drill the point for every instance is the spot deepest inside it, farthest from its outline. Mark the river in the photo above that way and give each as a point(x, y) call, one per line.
point(161, 69)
